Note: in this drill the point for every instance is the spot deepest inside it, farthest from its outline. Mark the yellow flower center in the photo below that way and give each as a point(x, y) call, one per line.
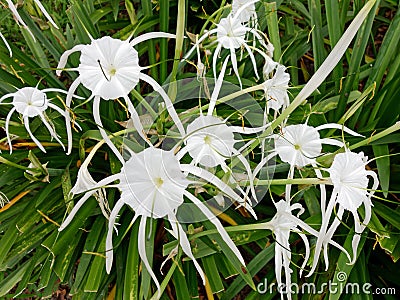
point(158, 182)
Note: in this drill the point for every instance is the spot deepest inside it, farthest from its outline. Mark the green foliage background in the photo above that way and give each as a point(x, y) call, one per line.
point(363, 91)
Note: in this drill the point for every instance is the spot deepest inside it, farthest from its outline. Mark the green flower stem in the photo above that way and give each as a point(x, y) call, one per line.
point(180, 35)
point(236, 228)
point(304, 181)
point(216, 14)
point(12, 164)
point(377, 136)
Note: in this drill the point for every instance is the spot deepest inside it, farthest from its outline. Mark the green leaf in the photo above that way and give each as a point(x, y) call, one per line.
point(97, 269)
point(388, 214)
point(211, 270)
point(255, 265)
point(381, 153)
point(343, 269)
point(13, 278)
point(93, 241)
point(131, 278)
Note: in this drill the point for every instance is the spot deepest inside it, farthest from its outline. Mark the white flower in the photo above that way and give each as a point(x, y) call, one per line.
point(153, 184)
point(350, 190)
point(300, 145)
point(210, 141)
point(31, 102)
point(110, 69)
point(247, 13)
point(276, 88)
point(231, 35)
point(282, 224)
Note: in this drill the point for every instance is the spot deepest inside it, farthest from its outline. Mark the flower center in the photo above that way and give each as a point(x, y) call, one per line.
point(297, 147)
point(158, 182)
point(113, 71)
point(207, 140)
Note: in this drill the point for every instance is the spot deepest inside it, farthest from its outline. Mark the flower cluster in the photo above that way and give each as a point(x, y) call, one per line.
point(210, 152)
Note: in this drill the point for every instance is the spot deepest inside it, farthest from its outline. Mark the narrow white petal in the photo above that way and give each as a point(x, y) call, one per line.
point(359, 228)
point(329, 234)
point(235, 66)
point(315, 233)
point(75, 209)
point(322, 233)
point(97, 119)
point(253, 60)
point(142, 252)
point(202, 38)
point(6, 43)
point(215, 58)
point(151, 35)
point(6, 128)
point(168, 103)
point(217, 88)
point(222, 186)
point(14, 11)
point(46, 14)
point(246, 164)
point(242, 8)
point(180, 235)
point(307, 255)
point(85, 197)
point(338, 126)
point(247, 130)
point(68, 100)
point(221, 230)
point(333, 142)
point(109, 244)
point(136, 120)
point(264, 161)
point(35, 140)
point(278, 263)
point(7, 96)
point(64, 58)
point(50, 129)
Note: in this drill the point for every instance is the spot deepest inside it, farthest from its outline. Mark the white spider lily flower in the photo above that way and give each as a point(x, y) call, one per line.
point(210, 141)
point(282, 224)
point(231, 35)
point(110, 69)
point(276, 88)
point(31, 102)
point(19, 20)
point(300, 145)
point(248, 13)
point(153, 184)
point(350, 190)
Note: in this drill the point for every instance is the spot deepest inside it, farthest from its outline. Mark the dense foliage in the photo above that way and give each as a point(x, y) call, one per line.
point(110, 184)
